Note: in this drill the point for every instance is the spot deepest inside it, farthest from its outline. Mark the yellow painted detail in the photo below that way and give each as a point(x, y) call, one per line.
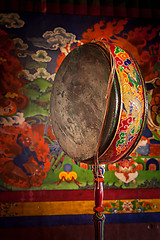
point(79, 207)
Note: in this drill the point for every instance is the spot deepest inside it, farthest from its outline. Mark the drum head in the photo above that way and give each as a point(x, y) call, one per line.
point(78, 102)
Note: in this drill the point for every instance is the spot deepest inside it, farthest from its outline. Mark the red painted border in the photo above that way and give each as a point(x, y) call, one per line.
point(77, 195)
point(79, 9)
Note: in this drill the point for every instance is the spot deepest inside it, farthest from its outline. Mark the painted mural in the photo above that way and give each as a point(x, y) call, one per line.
point(32, 47)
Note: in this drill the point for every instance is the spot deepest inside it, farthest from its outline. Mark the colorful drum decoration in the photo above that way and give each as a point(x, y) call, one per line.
point(133, 110)
point(78, 103)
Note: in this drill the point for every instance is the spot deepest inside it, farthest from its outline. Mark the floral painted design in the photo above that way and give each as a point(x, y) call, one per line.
point(129, 206)
point(7, 209)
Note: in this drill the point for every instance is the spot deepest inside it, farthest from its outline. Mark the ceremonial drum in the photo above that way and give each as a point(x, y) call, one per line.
point(79, 115)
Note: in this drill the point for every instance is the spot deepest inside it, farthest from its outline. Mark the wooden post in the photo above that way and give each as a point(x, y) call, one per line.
point(98, 217)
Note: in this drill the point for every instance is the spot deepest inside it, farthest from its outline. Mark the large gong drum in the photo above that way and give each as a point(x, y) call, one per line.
point(78, 103)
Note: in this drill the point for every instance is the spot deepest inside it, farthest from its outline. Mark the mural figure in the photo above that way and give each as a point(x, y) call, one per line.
point(152, 165)
point(126, 171)
point(25, 142)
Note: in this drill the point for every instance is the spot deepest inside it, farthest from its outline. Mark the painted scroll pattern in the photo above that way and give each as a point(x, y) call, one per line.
point(132, 106)
point(132, 100)
point(129, 206)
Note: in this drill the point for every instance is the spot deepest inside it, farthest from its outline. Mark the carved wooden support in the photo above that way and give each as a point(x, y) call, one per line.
point(98, 217)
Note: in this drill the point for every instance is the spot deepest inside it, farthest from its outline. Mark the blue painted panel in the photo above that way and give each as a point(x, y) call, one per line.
point(35, 221)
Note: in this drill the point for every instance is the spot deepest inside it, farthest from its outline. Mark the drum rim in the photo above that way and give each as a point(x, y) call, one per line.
point(144, 120)
point(113, 133)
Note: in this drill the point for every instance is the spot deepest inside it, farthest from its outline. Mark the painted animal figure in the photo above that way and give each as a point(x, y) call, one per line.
point(21, 159)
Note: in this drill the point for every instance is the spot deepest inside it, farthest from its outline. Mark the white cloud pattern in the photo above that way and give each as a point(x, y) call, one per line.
point(41, 73)
point(11, 20)
point(41, 56)
point(54, 40)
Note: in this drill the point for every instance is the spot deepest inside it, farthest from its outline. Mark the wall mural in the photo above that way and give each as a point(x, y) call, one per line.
point(32, 47)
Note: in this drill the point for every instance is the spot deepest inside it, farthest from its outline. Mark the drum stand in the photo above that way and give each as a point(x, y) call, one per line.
point(98, 217)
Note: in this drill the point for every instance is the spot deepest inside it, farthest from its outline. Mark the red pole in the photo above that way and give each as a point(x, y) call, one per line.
point(98, 217)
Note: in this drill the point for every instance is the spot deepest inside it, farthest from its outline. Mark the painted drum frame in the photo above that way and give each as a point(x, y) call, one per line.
point(130, 126)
